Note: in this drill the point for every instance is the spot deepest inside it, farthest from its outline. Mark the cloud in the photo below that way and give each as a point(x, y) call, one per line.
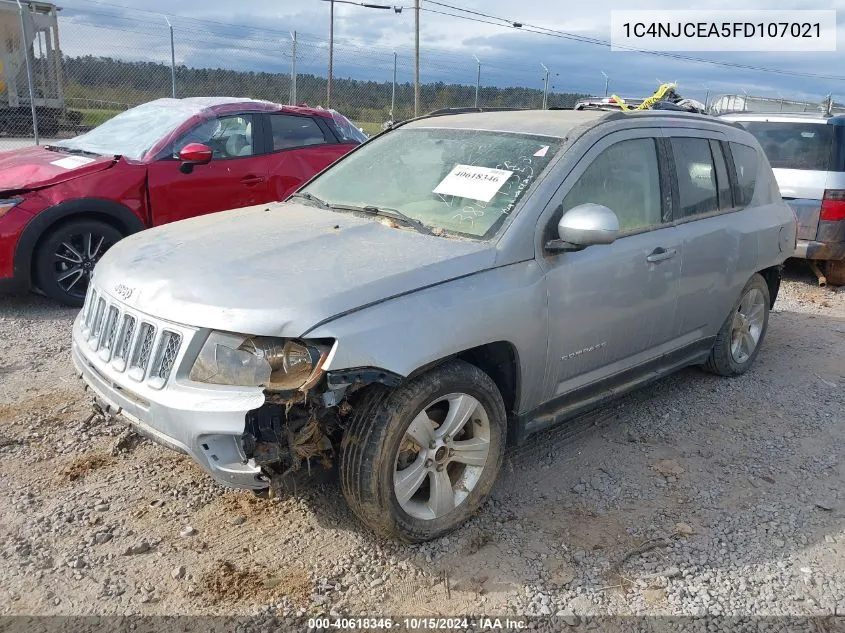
point(214, 33)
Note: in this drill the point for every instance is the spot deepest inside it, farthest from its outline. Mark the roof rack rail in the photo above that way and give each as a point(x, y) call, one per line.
point(464, 110)
point(736, 103)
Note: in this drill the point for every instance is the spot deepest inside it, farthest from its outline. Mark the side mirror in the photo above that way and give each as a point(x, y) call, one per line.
point(194, 154)
point(585, 225)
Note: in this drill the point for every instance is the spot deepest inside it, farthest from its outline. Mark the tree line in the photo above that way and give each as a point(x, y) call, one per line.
point(131, 83)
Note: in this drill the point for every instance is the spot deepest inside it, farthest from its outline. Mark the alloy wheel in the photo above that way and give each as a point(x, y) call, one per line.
point(442, 456)
point(747, 326)
point(74, 259)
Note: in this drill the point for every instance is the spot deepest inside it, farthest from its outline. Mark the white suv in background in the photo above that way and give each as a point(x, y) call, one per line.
point(807, 153)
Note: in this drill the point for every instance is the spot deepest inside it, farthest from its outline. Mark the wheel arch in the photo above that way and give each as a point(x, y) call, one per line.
point(113, 213)
point(497, 359)
point(772, 276)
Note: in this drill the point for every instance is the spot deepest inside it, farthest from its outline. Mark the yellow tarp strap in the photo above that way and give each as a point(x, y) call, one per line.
point(645, 105)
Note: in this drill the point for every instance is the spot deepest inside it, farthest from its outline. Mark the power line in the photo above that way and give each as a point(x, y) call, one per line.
point(433, 60)
point(540, 30)
point(472, 15)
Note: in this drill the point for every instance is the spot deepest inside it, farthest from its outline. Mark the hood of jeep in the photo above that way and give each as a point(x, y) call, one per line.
point(278, 269)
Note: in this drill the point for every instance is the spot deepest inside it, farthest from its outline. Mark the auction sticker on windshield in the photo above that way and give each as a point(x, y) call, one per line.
point(72, 162)
point(475, 183)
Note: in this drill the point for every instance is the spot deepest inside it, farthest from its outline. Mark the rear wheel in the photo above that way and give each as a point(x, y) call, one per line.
point(739, 340)
point(66, 257)
point(834, 271)
point(419, 459)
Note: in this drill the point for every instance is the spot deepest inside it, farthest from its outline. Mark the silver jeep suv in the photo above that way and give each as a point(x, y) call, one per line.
point(454, 285)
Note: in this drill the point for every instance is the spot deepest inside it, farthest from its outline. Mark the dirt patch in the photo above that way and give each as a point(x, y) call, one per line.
point(228, 583)
point(83, 465)
point(39, 407)
point(668, 468)
point(654, 597)
point(589, 530)
point(244, 503)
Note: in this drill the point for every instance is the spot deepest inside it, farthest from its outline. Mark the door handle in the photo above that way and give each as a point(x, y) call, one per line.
point(661, 254)
point(252, 180)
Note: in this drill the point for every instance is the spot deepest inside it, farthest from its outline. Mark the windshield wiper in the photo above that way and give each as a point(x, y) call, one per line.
point(70, 150)
point(311, 198)
point(386, 212)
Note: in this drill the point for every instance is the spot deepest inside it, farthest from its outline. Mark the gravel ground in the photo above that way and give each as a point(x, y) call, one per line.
point(697, 495)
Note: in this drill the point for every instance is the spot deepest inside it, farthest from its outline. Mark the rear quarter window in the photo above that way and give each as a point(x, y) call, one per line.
point(745, 167)
point(795, 145)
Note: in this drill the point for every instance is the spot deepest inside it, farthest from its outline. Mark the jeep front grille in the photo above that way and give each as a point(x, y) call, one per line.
point(170, 348)
point(126, 334)
point(143, 347)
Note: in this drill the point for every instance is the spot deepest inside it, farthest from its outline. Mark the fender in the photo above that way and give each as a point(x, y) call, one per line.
point(107, 210)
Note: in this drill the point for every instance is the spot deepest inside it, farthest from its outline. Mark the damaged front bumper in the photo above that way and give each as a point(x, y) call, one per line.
point(204, 422)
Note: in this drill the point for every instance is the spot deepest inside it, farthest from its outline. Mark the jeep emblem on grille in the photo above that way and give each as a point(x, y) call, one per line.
point(123, 291)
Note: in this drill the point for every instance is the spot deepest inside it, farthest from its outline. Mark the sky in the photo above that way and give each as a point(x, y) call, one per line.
point(256, 36)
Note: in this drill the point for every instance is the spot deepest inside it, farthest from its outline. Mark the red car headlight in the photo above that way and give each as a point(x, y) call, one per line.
point(8, 204)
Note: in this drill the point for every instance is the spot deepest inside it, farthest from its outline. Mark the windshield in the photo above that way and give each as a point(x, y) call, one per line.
point(134, 132)
point(461, 181)
point(793, 145)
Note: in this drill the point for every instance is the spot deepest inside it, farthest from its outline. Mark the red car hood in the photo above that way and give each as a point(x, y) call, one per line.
point(36, 167)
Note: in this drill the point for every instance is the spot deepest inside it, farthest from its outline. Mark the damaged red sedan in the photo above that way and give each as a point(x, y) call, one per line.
point(63, 205)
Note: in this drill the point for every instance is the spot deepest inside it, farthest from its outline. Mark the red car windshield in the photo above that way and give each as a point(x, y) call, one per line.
point(134, 132)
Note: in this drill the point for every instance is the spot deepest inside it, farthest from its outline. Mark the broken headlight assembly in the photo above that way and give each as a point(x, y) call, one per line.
point(277, 364)
point(9, 204)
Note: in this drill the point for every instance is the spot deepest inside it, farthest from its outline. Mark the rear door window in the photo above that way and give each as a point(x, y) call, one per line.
point(745, 165)
point(290, 132)
point(696, 176)
point(795, 145)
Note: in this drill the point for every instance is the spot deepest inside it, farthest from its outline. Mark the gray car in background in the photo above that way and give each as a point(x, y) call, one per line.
point(453, 285)
point(807, 153)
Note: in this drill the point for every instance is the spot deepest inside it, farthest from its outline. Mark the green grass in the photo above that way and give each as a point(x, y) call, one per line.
point(371, 128)
point(96, 117)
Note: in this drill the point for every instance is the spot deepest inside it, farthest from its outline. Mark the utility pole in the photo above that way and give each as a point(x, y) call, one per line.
point(331, 55)
point(393, 91)
point(30, 81)
point(416, 58)
point(606, 82)
point(172, 59)
point(293, 70)
point(367, 5)
point(477, 79)
point(545, 86)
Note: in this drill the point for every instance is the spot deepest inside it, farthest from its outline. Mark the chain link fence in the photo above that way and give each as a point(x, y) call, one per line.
point(111, 61)
point(75, 69)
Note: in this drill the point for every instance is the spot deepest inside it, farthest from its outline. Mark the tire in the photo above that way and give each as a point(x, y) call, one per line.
point(742, 334)
point(377, 447)
point(65, 258)
point(834, 271)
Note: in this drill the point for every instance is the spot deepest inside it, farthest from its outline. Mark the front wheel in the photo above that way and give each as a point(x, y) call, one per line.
point(66, 257)
point(418, 460)
point(739, 340)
